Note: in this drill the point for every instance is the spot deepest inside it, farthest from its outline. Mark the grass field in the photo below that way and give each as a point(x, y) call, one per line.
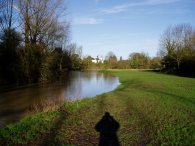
point(152, 109)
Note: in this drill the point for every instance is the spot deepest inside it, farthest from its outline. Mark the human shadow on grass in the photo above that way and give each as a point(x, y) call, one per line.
point(108, 127)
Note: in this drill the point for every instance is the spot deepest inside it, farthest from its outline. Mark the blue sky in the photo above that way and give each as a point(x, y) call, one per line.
point(125, 26)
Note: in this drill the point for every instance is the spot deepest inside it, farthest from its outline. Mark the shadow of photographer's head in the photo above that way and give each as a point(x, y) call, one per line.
point(108, 127)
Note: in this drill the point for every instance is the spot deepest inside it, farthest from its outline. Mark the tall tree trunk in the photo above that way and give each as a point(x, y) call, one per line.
point(11, 13)
point(27, 23)
point(178, 65)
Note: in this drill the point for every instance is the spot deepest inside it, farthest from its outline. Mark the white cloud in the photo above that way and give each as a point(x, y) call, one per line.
point(87, 20)
point(115, 9)
point(125, 7)
point(159, 2)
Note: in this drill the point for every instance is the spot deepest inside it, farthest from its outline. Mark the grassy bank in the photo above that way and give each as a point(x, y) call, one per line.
point(151, 108)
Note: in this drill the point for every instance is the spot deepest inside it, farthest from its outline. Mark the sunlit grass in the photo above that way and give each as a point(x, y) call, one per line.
point(28, 129)
point(152, 109)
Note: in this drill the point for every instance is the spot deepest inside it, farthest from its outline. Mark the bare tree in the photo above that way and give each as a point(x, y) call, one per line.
point(57, 34)
point(176, 41)
point(6, 14)
point(41, 20)
point(73, 48)
point(110, 54)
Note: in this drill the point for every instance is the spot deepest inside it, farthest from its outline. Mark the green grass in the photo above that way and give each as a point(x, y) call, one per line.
point(152, 109)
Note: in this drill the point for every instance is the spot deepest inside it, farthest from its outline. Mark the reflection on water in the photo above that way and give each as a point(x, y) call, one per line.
point(14, 103)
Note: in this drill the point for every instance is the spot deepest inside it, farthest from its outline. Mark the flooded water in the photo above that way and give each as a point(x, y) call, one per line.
point(15, 102)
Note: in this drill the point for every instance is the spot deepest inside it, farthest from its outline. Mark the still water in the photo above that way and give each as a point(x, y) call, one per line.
point(15, 103)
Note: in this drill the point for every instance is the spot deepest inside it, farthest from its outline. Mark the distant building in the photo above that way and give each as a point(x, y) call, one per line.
point(97, 60)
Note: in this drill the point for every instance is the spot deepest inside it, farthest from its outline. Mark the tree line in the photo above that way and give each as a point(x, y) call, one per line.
point(135, 60)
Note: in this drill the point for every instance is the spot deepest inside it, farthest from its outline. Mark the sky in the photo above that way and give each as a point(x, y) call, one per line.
point(125, 26)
